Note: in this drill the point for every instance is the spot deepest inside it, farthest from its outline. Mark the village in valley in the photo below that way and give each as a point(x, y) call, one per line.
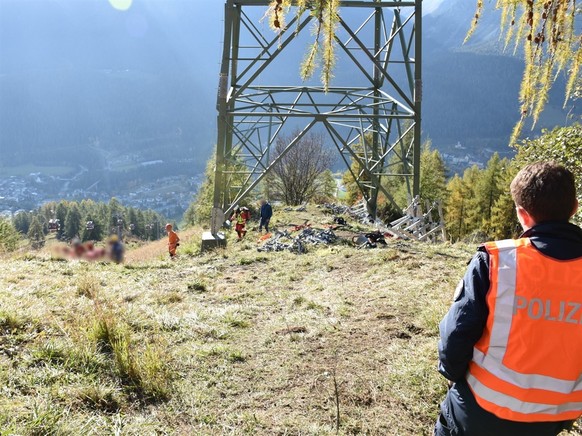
point(169, 196)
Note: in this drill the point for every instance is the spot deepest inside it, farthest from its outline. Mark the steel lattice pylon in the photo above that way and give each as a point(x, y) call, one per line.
point(379, 58)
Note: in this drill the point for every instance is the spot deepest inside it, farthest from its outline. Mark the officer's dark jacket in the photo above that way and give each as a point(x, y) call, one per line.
point(266, 211)
point(463, 325)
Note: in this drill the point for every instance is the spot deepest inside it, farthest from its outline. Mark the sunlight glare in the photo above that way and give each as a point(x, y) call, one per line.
point(121, 5)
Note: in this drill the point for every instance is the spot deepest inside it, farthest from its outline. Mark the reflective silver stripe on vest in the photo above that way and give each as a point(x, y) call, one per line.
point(519, 406)
point(527, 381)
point(504, 303)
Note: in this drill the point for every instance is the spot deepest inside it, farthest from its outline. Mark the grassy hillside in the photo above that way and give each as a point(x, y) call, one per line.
point(338, 340)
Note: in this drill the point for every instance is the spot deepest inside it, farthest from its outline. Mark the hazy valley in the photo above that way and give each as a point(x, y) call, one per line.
point(111, 105)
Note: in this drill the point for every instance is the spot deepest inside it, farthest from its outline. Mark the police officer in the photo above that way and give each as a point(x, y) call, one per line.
point(511, 343)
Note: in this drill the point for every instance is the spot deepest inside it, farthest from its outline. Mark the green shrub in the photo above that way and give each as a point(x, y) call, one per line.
point(98, 397)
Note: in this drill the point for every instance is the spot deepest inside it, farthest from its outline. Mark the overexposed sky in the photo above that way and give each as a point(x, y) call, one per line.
point(430, 5)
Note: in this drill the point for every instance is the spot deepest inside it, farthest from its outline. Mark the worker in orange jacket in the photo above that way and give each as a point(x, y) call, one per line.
point(173, 240)
point(511, 343)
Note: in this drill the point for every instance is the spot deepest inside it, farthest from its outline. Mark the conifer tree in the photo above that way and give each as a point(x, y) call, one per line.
point(326, 187)
point(21, 222)
point(504, 223)
point(473, 217)
point(326, 19)
point(91, 234)
point(153, 225)
point(487, 190)
point(89, 211)
point(9, 236)
point(479, 205)
point(200, 209)
point(61, 216)
point(72, 222)
point(141, 224)
point(36, 234)
point(133, 223)
point(353, 190)
point(116, 213)
point(353, 193)
point(433, 185)
point(456, 208)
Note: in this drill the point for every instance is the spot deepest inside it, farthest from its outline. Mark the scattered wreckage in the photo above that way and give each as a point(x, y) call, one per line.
point(415, 224)
point(283, 240)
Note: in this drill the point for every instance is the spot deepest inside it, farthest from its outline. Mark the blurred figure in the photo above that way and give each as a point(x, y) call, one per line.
point(173, 240)
point(77, 247)
point(116, 249)
point(92, 252)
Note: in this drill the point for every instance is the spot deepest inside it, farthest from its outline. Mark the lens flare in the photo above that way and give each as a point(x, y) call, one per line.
point(121, 5)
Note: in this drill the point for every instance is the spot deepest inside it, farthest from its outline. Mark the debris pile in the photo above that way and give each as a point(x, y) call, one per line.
point(358, 212)
point(301, 208)
point(370, 240)
point(337, 209)
point(415, 224)
point(419, 225)
point(283, 240)
point(316, 237)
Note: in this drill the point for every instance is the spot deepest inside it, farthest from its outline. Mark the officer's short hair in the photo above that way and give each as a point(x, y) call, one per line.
point(546, 190)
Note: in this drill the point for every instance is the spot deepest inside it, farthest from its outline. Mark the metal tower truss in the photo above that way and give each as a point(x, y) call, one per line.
point(371, 110)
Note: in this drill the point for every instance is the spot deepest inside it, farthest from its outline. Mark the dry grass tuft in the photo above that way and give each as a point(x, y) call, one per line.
point(96, 397)
point(88, 286)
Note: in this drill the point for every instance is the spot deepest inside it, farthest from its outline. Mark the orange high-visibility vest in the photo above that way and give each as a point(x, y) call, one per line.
point(527, 365)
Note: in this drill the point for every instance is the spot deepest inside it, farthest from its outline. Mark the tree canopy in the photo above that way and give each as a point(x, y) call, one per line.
point(88, 220)
point(8, 236)
point(298, 169)
point(562, 144)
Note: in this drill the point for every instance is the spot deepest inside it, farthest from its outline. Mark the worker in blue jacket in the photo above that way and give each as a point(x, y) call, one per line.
point(266, 213)
point(550, 234)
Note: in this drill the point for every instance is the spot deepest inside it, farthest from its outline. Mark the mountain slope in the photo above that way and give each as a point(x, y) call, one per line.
point(128, 98)
point(471, 90)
